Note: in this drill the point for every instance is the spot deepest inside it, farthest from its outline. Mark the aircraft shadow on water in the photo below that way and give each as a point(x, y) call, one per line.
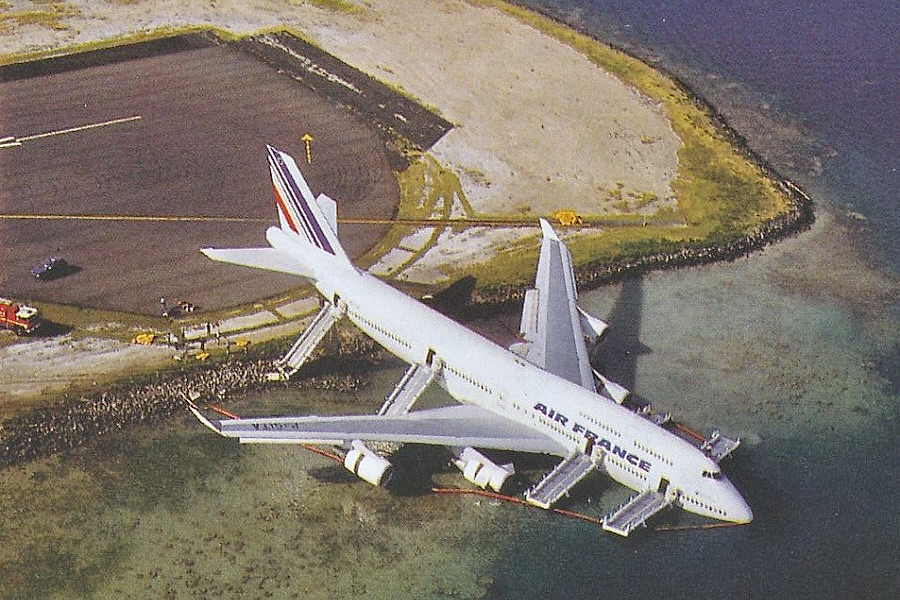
point(618, 352)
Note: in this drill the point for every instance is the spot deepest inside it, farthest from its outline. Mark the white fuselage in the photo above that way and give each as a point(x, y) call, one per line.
point(636, 452)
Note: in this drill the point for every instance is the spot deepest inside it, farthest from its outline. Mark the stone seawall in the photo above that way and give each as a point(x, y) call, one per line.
point(51, 430)
point(799, 218)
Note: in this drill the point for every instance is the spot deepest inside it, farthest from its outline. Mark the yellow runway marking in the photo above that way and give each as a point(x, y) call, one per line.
point(461, 223)
point(209, 219)
point(307, 139)
point(138, 218)
point(443, 222)
point(17, 141)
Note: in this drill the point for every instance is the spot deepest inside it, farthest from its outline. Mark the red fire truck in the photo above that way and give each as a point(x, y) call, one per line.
point(18, 317)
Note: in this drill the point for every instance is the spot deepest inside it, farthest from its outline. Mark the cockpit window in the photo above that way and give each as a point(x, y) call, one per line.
point(712, 474)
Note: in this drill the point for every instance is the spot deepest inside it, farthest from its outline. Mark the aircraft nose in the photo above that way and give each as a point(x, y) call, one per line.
point(740, 511)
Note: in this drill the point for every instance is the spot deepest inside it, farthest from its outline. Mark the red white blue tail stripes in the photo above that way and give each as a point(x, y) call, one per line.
point(299, 212)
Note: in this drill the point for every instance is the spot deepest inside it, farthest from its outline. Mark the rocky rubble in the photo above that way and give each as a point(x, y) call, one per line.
point(799, 218)
point(47, 431)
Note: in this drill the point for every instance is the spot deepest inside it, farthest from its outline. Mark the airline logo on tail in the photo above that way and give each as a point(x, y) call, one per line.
point(298, 210)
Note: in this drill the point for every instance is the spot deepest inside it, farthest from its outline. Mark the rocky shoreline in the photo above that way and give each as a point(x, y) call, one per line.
point(800, 217)
point(47, 431)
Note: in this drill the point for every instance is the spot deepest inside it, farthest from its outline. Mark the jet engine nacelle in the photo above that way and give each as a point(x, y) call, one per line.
point(481, 470)
point(367, 465)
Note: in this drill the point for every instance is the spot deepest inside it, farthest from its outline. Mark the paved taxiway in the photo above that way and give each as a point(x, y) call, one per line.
point(177, 132)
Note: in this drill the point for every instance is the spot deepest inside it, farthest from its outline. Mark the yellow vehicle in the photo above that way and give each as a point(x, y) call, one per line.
point(567, 218)
point(145, 339)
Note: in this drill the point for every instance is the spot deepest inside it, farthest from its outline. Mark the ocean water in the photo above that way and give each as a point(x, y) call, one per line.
point(759, 350)
point(795, 349)
point(827, 67)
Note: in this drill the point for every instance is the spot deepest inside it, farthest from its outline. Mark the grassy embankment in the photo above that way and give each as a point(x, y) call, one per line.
point(427, 191)
point(722, 195)
point(51, 15)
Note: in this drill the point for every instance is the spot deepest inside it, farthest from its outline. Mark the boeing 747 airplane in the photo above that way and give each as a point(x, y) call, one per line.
point(538, 396)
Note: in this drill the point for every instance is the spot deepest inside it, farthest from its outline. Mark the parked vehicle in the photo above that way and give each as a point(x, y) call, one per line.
point(18, 317)
point(51, 268)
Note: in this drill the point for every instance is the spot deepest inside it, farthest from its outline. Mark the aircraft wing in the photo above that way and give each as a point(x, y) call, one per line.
point(551, 320)
point(456, 426)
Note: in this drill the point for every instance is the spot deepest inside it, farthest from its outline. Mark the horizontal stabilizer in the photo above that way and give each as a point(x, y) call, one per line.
point(270, 259)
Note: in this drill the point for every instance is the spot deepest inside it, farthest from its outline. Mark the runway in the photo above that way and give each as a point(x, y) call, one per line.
point(176, 128)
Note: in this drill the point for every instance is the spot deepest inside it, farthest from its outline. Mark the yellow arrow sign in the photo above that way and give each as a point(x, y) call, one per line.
point(307, 139)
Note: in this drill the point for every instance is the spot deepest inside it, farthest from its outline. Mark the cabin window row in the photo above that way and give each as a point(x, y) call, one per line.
point(626, 466)
point(382, 331)
point(468, 379)
point(652, 453)
point(601, 424)
point(555, 427)
point(703, 505)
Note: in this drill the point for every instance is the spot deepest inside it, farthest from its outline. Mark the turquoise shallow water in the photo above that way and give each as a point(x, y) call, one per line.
point(744, 347)
point(796, 348)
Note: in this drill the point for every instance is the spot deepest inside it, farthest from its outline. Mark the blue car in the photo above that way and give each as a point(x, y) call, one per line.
point(51, 268)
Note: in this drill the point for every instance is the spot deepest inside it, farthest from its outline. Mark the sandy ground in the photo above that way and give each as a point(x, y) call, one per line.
point(538, 127)
point(537, 123)
point(48, 365)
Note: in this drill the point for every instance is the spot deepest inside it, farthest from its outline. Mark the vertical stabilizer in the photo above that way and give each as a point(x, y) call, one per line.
point(312, 219)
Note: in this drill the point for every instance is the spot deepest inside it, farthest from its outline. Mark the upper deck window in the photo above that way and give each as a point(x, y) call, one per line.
point(712, 474)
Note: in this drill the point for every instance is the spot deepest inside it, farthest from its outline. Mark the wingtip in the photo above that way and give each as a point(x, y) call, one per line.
point(193, 408)
point(547, 230)
point(211, 253)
